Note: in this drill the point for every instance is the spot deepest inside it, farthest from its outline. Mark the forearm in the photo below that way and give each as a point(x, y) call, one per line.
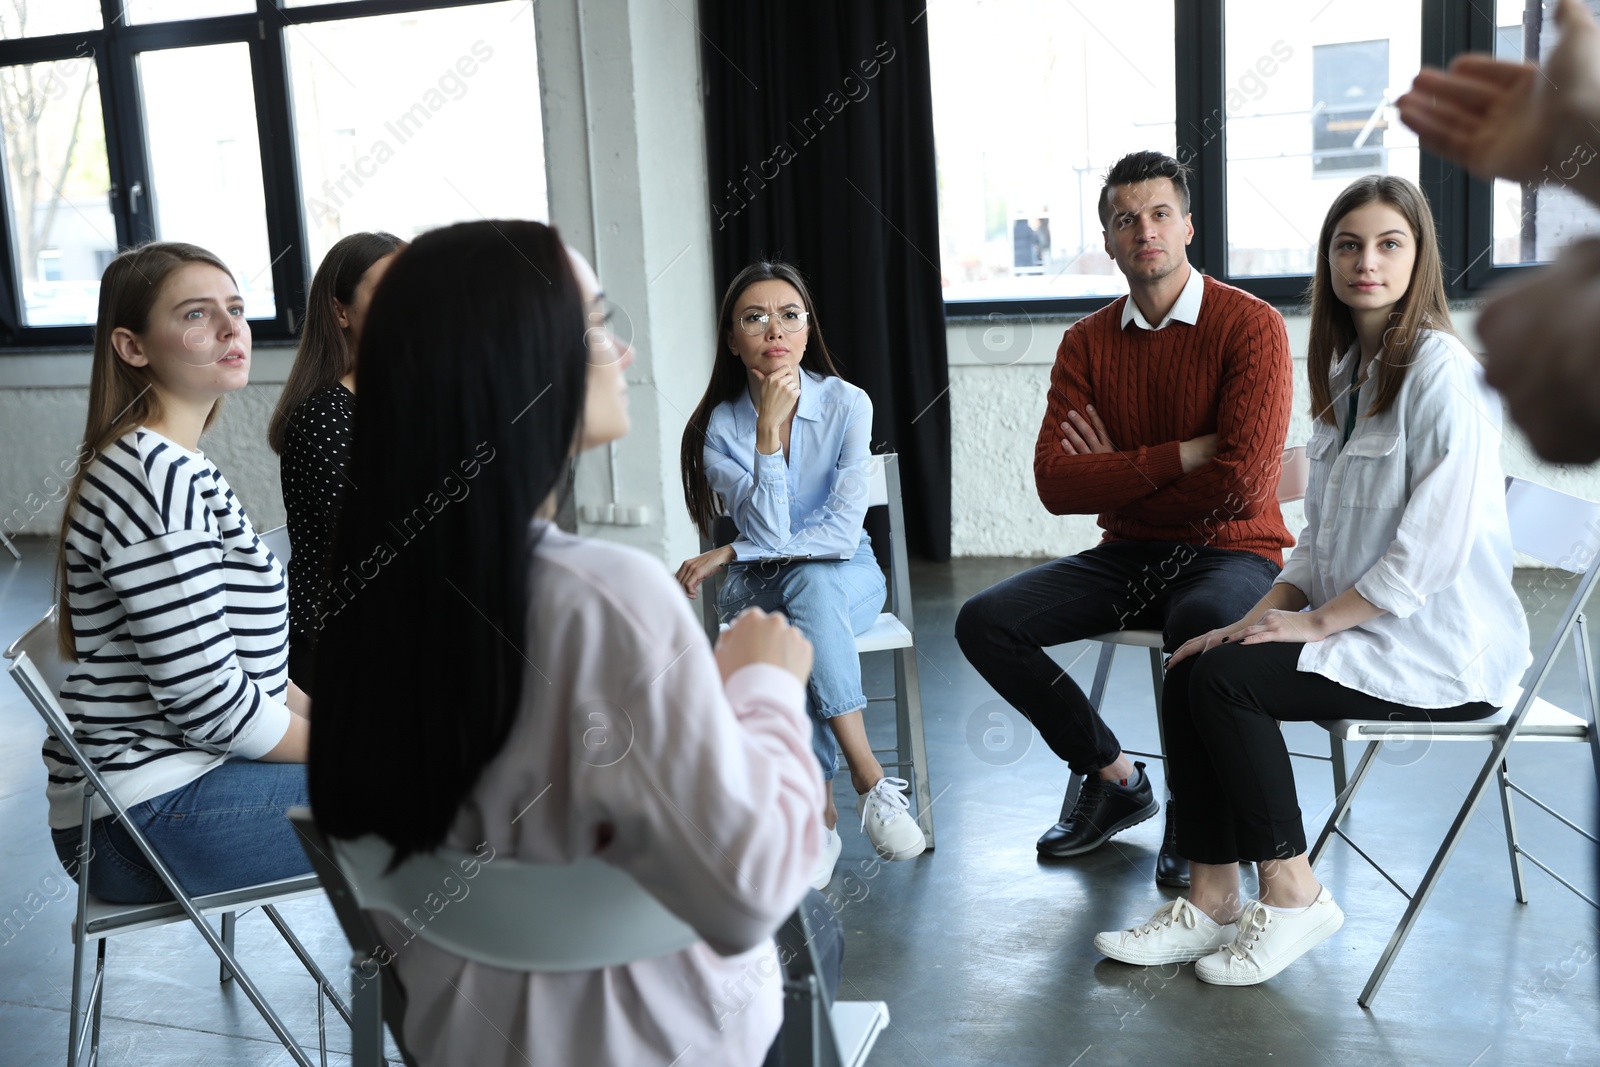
point(1102, 481)
point(292, 747)
point(1344, 612)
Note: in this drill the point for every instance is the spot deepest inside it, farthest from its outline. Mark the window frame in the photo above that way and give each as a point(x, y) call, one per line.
point(1462, 205)
point(114, 47)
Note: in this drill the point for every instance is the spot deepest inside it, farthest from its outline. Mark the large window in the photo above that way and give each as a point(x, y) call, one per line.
point(1308, 108)
point(263, 130)
point(1033, 100)
point(1276, 106)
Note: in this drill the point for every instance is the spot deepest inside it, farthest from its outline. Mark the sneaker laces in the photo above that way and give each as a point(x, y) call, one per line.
point(1252, 924)
point(887, 799)
point(1167, 916)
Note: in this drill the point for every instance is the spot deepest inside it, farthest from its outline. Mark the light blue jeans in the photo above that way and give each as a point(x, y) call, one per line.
point(223, 830)
point(830, 601)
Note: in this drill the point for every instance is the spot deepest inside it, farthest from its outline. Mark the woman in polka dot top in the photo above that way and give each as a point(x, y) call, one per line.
point(313, 427)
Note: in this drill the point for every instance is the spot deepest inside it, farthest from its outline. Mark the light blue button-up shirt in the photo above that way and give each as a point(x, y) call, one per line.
point(811, 503)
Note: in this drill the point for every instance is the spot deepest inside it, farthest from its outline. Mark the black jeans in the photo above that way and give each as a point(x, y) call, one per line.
point(1180, 589)
point(1226, 755)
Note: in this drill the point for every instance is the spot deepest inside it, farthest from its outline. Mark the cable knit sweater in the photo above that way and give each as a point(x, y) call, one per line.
point(1228, 374)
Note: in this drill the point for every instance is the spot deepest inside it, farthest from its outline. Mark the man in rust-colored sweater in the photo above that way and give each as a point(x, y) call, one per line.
point(1166, 417)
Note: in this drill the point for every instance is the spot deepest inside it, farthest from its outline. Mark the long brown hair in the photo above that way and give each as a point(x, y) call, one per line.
point(1333, 330)
point(728, 379)
point(324, 355)
point(121, 396)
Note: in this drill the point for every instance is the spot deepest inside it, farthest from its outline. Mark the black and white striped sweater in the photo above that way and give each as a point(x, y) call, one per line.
point(180, 619)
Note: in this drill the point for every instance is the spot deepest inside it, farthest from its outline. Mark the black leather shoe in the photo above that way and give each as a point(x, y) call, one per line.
point(1103, 809)
point(1172, 870)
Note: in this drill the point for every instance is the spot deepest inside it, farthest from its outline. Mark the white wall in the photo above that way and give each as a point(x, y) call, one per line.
point(999, 376)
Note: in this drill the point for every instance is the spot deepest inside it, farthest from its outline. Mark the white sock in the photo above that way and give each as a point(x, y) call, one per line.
point(1208, 919)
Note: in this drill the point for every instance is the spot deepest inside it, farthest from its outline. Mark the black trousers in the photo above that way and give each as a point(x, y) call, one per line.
point(1226, 755)
point(1180, 589)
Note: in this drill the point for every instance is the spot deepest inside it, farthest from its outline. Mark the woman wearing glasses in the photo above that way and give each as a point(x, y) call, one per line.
point(780, 444)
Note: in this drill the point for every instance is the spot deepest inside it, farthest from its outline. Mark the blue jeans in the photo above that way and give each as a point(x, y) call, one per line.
point(223, 830)
point(830, 601)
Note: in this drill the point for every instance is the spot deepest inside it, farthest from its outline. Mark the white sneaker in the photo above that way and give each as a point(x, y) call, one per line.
point(886, 820)
point(1178, 932)
point(1269, 941)
point(830, 856)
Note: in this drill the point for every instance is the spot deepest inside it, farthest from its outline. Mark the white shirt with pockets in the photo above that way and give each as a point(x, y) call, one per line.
point(1411, 513)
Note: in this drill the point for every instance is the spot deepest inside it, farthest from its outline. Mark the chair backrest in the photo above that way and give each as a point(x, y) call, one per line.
point(1551, 526)
point(1295, 472)
point(39, 643)
point(277, 542)
point(590, 914)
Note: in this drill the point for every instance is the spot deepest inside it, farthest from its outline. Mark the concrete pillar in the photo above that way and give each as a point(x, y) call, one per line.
point(625, 163)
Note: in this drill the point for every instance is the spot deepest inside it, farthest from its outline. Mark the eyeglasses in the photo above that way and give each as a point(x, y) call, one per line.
point(789, 321)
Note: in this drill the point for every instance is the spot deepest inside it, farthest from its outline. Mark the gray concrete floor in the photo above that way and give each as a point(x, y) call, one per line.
point(983, 953)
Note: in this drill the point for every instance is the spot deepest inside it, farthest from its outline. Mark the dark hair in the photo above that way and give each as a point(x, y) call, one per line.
point(728, 377)
point(324, 355)
point(1422, 308)
point(1138, 167)
point(120, 394)
point(420, 665)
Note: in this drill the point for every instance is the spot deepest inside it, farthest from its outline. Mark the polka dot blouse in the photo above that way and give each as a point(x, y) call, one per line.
point(315, 469)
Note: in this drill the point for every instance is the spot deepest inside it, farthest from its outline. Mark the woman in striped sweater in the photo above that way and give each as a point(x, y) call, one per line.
point(175, 613)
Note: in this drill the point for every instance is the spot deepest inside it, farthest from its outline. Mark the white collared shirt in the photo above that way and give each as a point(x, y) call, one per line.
point(1411, 513)
point(1185, 309)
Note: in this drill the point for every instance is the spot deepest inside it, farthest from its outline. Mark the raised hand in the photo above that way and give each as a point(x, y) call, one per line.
point(1509, 120)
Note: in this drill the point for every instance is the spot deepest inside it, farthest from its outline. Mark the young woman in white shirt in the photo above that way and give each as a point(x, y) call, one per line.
point(173, 611)
point(1396, 603)
point(780, 444)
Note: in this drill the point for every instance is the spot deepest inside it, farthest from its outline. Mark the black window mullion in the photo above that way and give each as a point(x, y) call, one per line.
point(126, 155)
point(1202, 127)
point(280, 175)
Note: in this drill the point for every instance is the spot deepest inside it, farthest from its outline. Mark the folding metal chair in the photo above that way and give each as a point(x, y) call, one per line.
point(591, 915)
point(1544, 523)
point(39, 672)
point(1295, 472)
point(895, 631)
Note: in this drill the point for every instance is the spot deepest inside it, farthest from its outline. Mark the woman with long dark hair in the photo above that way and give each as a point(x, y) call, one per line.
point(488, 678)
point(311, 428)
point(174, 611)
point(780, 444)
point(1396, 603)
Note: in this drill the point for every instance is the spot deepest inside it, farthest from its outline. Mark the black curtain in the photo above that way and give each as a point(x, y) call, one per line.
point(819, 132)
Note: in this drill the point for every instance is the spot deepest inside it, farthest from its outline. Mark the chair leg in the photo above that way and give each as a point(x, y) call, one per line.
point(324, 987)
point(1336, 761)
point(1158, 678)
point(1342, 805)
point(909, 734)
point(366, 1025)
point(74, 1019)
point(1503, 780)
point(1430, 880)
point(98, 996)
point(228, 919)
